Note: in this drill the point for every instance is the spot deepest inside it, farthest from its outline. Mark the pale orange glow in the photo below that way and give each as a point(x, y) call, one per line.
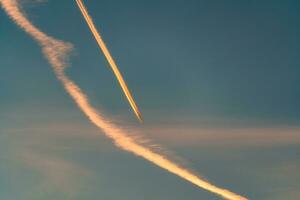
point(127, 143)
point(109, 58)
point(55, 51)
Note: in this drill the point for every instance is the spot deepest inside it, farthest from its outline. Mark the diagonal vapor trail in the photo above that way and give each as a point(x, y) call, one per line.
point(56, 52)
point(109, 58)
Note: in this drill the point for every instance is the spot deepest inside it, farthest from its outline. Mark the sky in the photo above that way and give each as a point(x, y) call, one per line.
point(216, 82)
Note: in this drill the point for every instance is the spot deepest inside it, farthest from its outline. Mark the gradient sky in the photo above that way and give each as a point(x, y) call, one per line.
point(217, 83)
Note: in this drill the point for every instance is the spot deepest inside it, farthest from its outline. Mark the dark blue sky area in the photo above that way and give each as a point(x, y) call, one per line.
point(234, 60)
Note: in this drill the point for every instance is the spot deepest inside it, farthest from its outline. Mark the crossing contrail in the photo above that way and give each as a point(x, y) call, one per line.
point(109, 58)
point(56, 52)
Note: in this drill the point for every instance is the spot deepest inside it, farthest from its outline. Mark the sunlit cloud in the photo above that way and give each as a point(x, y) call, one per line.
point(56, 52)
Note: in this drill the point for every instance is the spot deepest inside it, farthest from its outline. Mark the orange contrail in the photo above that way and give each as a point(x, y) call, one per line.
point(125, 142)
point(56, 51)
point(109, 58)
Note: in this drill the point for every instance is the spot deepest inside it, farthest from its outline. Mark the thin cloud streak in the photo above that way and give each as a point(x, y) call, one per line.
point(227, 137)
point(56, 51)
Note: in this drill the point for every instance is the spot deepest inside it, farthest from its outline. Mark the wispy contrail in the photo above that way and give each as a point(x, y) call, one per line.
point(56, 51)
point(109, 58)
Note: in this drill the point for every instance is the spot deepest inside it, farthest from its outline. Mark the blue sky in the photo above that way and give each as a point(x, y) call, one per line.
point(217, 84)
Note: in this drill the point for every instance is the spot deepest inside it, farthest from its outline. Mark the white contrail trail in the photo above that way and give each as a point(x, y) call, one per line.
point(110, 59)
point(56, 51)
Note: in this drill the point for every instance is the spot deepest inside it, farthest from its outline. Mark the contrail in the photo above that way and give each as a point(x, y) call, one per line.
point(109, 58)
point(56, 51)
